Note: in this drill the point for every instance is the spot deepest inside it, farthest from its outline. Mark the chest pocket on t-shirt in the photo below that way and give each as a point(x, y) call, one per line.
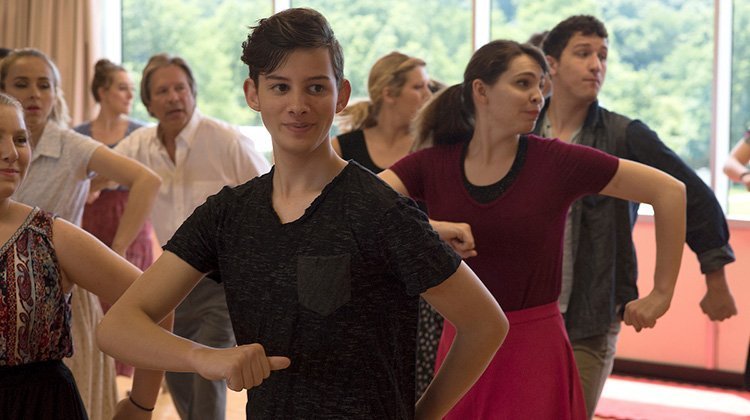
point(324, 282)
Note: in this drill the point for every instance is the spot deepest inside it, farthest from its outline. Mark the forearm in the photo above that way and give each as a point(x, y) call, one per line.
point(734, 169)
point(138, 208)
point(469, 355)
point(133, 337)
point(441, 229)
point(717, 280)
point(670, 222)
point(99, 183)
point(146, 382)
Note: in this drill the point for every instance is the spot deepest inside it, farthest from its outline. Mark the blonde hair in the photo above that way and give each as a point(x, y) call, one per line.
point(59, 112)
point(388, 72)
point(8, 100)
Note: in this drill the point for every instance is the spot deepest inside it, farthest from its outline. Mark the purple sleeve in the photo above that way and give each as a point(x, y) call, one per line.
point(410, 171)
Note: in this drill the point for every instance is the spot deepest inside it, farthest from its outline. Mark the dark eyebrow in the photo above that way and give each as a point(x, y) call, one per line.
point(589, 45)
point(286, 79)
point(526, 73)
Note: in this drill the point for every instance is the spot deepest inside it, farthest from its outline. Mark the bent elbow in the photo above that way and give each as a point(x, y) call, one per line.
point(680, 191)
point(103, 334)
point(502, 329)
point(151, 179)
point(497, 330)
point(155, 182)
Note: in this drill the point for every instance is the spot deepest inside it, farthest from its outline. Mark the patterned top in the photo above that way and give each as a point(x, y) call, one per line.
point(34, 312)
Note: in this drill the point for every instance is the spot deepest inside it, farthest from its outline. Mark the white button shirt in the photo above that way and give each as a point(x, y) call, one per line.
point(209, 155)
point(58, 179)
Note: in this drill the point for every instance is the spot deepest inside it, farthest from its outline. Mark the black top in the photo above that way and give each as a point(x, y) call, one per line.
point(488, 193)
point(336, 291)
point(353, 146)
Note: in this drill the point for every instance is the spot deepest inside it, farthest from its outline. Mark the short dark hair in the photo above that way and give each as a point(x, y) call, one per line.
point(557, 39)
point(274, 38)
point(537, 39)
point(157, 62)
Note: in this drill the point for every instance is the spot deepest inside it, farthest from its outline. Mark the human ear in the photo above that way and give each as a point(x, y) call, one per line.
point(479, 90)
point(251, 94)
point(388, 95)
point(343, 95)
point(552, 63)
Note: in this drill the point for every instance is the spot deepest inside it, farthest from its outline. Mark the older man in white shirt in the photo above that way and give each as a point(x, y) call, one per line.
point(195, 156)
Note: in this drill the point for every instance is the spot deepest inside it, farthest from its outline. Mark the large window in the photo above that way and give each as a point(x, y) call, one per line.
point(739, 197)
point(206, 33)
point(660, 67)
point(438, 32)
point(660, 62)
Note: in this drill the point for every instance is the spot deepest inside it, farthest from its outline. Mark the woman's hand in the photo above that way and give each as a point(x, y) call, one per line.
point(458, 236)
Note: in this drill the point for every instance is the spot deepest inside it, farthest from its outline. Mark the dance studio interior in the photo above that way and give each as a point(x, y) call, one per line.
point(680, 68)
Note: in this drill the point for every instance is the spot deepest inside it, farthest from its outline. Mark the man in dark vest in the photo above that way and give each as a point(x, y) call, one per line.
point(599, 262)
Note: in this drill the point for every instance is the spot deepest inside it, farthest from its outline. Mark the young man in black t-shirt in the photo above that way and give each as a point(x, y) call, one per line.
point(322, 262)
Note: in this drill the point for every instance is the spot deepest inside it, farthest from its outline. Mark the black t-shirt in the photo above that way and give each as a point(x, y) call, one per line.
point(336, 291)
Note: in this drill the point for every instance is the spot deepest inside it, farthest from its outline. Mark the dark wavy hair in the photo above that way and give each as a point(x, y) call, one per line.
point(557, 39)
point(449, 117)
point(274, 38)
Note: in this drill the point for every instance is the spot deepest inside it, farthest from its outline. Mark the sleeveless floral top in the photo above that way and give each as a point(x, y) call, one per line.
point(34, 312)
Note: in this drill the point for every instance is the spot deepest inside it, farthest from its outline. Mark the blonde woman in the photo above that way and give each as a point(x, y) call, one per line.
point(58, 181)
point(377, 131)
point(377, 135)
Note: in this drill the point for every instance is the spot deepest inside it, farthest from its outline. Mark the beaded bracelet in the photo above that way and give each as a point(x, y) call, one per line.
point(130, 397)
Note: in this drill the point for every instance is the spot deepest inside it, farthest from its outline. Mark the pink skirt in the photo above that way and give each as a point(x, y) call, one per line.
point(532, 376)
point(101, 218)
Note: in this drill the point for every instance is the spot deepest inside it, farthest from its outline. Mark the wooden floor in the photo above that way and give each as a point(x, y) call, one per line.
point(619, 388)
point(165, 410)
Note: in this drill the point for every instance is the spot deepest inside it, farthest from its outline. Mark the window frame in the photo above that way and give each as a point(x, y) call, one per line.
point(111, 47)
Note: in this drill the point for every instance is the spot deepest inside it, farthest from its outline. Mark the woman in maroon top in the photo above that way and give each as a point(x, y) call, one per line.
point(511, 193)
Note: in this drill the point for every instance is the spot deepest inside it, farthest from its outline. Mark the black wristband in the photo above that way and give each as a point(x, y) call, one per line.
point(744, 174)
point(130, 397)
